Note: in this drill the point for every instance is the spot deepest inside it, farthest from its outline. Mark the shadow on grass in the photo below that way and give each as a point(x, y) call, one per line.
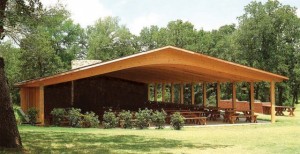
point(68, 142)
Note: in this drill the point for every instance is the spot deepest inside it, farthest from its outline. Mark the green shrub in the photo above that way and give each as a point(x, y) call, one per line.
point(75, 117)
point(177, 121)
point(143, 118)
point(109, 119)
point(90, 119)
point(58, 114)
point(126, 117)
point(32, 115)
point(159, 119)
point(17, 115)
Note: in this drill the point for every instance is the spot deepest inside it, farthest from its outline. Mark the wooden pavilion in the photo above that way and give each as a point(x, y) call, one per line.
point(126, 81)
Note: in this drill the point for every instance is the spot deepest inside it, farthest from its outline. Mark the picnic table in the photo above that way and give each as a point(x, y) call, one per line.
point(279, 110)
point(195, 117)
point(213, 113)
point(249, 117)
point(230, 116)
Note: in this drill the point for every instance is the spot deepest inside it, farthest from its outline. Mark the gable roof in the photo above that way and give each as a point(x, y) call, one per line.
point(163, 65)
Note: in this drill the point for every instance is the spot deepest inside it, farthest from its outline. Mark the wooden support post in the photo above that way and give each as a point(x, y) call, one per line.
point(155, 92)
point(252, 98)
point(218, 94)
point(172, 93)
point(24, 104)
point(72, 93)
point(163, 91)
point(181, 94)
point(149, 91)
point(272, 100)
point(41, 105)
point(204, 94)
point(193, 93)
point(233, 95)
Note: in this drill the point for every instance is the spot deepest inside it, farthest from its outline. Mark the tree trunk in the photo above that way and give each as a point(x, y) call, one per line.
point(9, 134)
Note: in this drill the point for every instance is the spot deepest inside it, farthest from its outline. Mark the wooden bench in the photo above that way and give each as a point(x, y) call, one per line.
point(214, 116)
point(230, 118)
point(291, 110)
point(196, 120)
point(249, 118)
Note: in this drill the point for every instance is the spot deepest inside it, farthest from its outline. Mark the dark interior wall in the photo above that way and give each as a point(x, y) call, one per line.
point(96, 94)
point(57, 96)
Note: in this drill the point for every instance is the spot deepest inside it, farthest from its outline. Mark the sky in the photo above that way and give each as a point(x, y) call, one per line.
point(136, 14)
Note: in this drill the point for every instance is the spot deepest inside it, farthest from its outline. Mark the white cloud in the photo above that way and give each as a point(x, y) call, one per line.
point(87, 12)
point(298, 12)
point(143, 21)
point(83, 12)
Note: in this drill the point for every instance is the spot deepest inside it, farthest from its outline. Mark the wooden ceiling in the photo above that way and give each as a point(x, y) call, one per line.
point(164, 65)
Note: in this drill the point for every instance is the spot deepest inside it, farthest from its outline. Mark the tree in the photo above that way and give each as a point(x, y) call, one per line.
point(9, 134)
point(38, 57)
point(181, 34)
point(149, 38)
point(66, 38)
point(267, 37)
point(108, 40)
point(12, 13)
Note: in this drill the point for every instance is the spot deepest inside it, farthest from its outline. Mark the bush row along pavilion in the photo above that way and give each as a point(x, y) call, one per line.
point(124, 82)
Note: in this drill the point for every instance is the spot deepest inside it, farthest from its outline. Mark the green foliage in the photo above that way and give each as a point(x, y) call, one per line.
point(126, 117)
point(74, 117)
point(17, 114)
point(177, 121)
point(108, 40)
point(268, 38)
point(90, 120)
point(143, 118)
point(109, 119)
point(32, 115)
point(12, 68)
point(38, 57)
point(67, 38)
point(19, 15)
point(58, 114)
point(159, 119)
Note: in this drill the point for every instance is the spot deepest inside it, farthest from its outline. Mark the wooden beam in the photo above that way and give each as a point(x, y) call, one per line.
point(41, 105)
point(252, 97)
point(155, 92)
point(193, 93)
point(149, 92)
point(181, 94)
point(172, 93)
point(163, 92)
point(272, 100)
point(204, 94)
point(218, 94)
point(234, 95)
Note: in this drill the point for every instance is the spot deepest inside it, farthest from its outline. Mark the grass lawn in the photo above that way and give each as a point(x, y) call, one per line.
point(282, 137)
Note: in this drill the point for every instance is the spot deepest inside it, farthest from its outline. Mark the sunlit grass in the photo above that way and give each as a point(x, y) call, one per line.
point(281, 137)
